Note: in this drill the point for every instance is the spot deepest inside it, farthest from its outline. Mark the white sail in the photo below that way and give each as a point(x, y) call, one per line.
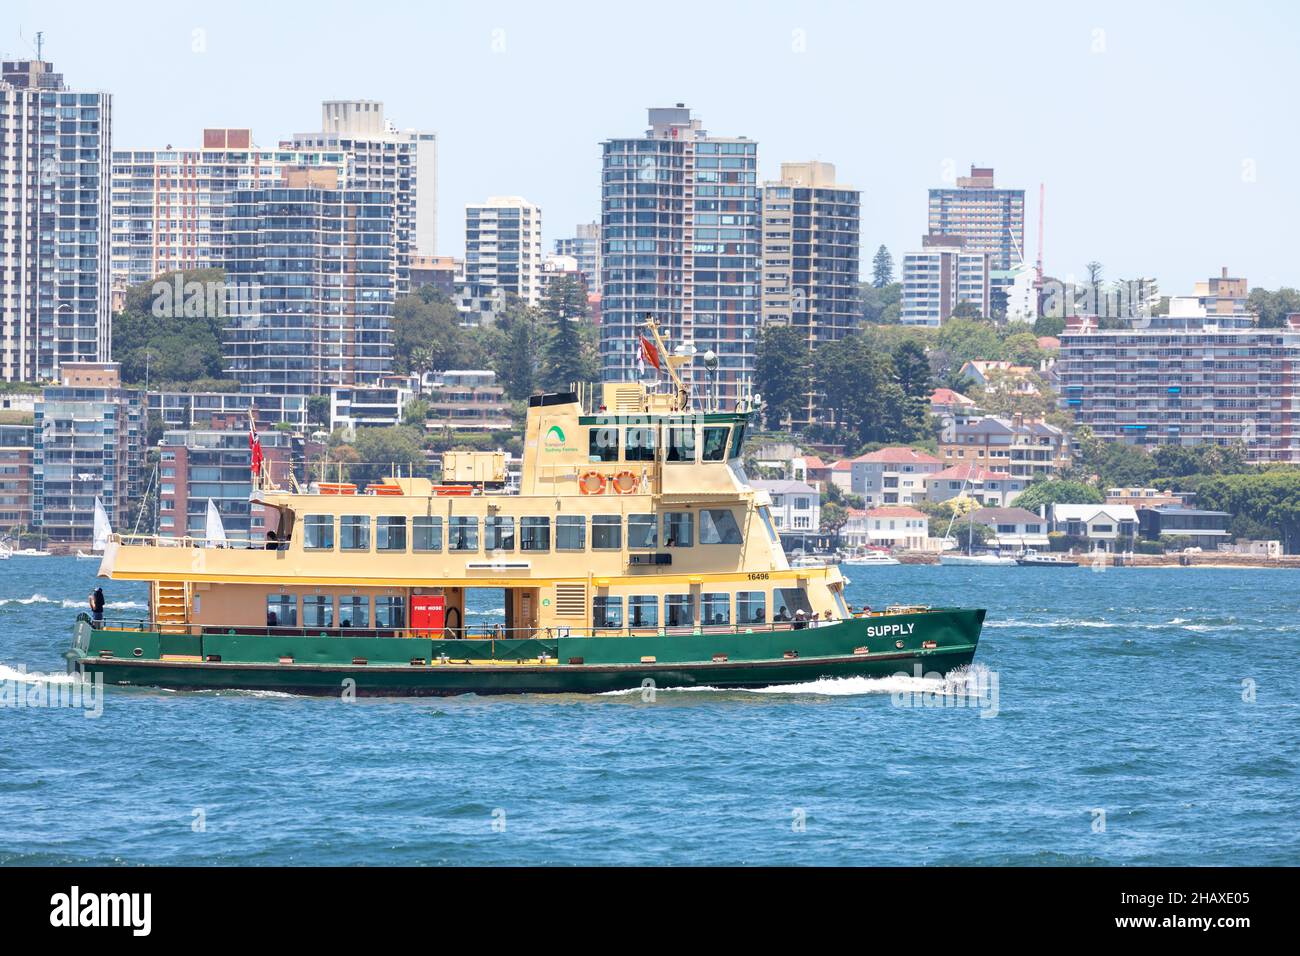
point(216, 533)
point(102, 528)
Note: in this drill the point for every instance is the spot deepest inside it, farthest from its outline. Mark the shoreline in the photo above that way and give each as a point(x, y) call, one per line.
point(1209, 559)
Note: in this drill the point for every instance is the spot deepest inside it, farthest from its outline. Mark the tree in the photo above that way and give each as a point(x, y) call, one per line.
point(1050, 325)
point(861, 396)
point(1273, 307)
point(427, 335)
point(882, 268)
point(383, 450)
point(880, 305)
point(1056, 491)
point(966, 309)
point(168, 338)
point(515, 346)
point(569, 352)
point(781, 373)
point(318, 410)
point(833, 517)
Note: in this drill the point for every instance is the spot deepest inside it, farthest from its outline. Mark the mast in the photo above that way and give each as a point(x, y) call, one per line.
point(672, 361)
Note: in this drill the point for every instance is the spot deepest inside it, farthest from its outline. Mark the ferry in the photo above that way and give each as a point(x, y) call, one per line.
point(635, 553)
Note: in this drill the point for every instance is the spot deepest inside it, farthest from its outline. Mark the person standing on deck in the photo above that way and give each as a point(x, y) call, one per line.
point(97, 605)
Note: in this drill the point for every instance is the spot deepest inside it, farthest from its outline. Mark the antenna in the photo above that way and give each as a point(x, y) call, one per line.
point(40, 44)
point(1042, 200)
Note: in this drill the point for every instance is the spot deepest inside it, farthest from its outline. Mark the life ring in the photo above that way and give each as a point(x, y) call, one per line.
point(592, 483)
point(625, 482)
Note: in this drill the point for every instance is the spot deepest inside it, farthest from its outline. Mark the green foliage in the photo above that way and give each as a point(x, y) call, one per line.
point(882, 268)
point(1060, 492)
point(318, 410)
point(781, 373)
point(427, 335)
point(1049, 325)
point(183, 342)
point(1148, 547)
point(516, 338)
point(833, 517)
point(861, 397)
point(1273, 307)
point(382, 449)
point(415, 413)
point(1269, 499)
point(1177, 461)
point(570, 351)
point(880, 305)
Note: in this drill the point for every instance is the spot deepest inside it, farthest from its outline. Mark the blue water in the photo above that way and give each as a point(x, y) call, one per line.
point(1120, 691)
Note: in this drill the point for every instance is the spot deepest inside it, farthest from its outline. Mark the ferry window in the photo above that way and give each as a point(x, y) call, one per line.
point(317, 611)
point(390, 533)
point(462, 533)
point(751, 607)
point(679, 610)
point(738, 440)
point(534, 534)
point(602, 444)
point(681, 444)
point(607, 612)
point(426, 532)
point(715, 444)
point(390, 613)
point(718, 526)
point(766, 514)
point(788, 602)
point(318, 532)
point(642, 531)
point(281, 610)
point(639, 444)
point(643, 611)
point(715, 608)
point(838, 594)
point(354, 532)
point(354, 611)
point(571, 533)
point(679, 529)
point(606, 532)
point(499, 533)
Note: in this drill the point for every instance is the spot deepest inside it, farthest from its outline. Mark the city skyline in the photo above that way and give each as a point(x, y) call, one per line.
point(1102, 105)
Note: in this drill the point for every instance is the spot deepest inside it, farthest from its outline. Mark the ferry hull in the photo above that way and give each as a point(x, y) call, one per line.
point(937, 641)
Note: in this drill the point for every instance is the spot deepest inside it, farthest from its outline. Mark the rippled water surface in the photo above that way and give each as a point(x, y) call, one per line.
point(1122, 696)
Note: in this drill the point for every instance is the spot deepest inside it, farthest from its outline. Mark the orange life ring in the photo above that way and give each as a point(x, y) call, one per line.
point(592, 483)
point(625, 483)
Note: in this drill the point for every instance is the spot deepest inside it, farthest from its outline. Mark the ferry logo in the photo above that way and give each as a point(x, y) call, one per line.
point(555, 435)
point(74, 908)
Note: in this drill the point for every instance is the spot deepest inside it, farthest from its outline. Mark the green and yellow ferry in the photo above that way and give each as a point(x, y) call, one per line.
point(635, 553)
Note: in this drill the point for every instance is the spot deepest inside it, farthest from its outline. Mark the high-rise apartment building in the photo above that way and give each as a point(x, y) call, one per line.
point(681, 239)
point(990, 219)
point(1187, 378)
point(199, 465)
point(381, 157)
point(321, 260)
point(168, 205)
point(941, 275)
point(811, 228)
point(503, 246)
point(584, 246)
point(88, 442)
point(54, 222)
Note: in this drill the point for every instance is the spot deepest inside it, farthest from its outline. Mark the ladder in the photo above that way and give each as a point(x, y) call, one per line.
point(171, 607)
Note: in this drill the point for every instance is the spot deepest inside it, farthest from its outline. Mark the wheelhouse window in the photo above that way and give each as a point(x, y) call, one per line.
point(571, 533)
point(354, 532)
point(317, 611)
point(534, 534)
point(788, 602)
point(426, 532)
point(715, 608)
point(679, 610)
point(715, 443)
point(679, 529)
point(606, 532)
point(751, 607)
point(390, 533)
point(643, 610)
point(681, 444)
point(462, 533)
point(318, 532)
point(607, 612)
point(602, 444)
point(639, 444)
point(737, 440)
point(642, 531)
point(766, 514)
point(390, 613)
point(354, 611)
point(718, 526)
point(281, 610)
point(499, 533)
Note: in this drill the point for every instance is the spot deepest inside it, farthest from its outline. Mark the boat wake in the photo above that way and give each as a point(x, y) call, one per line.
point(8, 673)
point(960, 682)
point(67, 603)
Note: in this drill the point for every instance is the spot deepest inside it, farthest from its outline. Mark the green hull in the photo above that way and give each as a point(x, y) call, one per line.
point(938, 641)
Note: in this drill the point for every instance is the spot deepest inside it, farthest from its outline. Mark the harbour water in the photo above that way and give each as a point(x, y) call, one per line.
point(1142, 716)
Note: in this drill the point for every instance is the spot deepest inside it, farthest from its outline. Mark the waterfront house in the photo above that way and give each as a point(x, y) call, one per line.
point(1105, 527)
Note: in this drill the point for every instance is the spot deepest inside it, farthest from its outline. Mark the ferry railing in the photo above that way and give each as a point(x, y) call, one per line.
point(230, 542)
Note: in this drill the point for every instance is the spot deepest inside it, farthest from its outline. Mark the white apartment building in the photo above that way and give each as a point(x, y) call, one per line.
point(503, 246)
point(892, 476)
point(939, 277)
point(796, 505)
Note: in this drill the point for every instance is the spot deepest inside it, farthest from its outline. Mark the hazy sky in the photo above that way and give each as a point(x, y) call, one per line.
point(1165, 133)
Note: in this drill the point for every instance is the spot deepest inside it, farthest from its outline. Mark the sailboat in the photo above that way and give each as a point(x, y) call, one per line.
point(970, 559)
point(102, 530)
point(216, 531)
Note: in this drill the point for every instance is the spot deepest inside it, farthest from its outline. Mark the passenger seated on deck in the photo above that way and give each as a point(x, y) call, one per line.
point(272, 540)
point(800, 620)
point(782, 615)
point(758, 617)
point(272, 619)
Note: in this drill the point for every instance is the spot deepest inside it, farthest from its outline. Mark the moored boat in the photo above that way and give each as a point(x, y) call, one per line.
point(635, 551)
point(986, 560)
point(1036, 559)
point(871, 559)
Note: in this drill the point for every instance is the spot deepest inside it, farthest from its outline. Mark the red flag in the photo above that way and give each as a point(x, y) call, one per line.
point(649, 352)
point(254, 446)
